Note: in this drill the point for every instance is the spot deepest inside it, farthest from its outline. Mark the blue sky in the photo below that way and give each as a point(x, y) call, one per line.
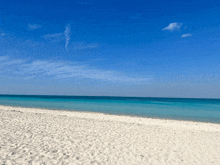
point(117, 48)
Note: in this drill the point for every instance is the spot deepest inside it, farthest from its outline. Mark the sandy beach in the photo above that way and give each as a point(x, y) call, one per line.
point(38, 136)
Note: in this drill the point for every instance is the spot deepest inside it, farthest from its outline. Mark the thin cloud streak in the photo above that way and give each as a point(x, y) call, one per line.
point(186, 35)
point(84, 46)
point(3, 58)
point(6, 61)
point(53, 36)
point(61, 70)
point(60, 36)
point(33, 26)
point(67, 35)
point(173, 26)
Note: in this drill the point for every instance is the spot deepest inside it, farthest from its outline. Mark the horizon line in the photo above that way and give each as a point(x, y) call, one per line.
point(49, 95)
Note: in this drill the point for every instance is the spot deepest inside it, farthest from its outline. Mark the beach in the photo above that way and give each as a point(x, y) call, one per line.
point(40, 136)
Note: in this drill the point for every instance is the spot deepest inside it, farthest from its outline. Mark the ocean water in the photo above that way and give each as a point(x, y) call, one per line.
point(204, 110)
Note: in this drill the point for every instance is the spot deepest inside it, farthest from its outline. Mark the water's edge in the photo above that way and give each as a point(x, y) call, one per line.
point(118, 114)
point(199, 110)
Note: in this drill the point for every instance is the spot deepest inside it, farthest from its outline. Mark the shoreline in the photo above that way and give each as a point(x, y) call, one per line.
point(180, 111)
point(116, 117)
point(40, 136)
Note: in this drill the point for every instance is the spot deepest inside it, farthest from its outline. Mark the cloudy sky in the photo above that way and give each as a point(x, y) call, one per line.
point(114, 48)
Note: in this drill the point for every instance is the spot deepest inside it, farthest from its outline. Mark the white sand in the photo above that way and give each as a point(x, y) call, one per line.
point(36, 136)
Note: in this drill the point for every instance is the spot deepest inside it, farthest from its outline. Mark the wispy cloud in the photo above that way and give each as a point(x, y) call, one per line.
point(84, 46)
point(77, 46)
point(8, 65)
point(6, 61)
point(67, 35)
point(62, 70)
point(173, 26)
point(186, 35)
point(60, 36)
point(33, 26)
point(3, 58)
point(31, 43)
point(53, 36)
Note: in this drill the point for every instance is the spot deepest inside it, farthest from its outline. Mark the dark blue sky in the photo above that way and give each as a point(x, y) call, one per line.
point(125, 48)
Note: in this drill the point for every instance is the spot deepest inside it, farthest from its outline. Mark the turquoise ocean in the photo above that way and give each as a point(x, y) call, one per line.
point(204, 110)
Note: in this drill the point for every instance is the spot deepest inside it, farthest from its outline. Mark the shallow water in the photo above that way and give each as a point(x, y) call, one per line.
point(205, 110)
